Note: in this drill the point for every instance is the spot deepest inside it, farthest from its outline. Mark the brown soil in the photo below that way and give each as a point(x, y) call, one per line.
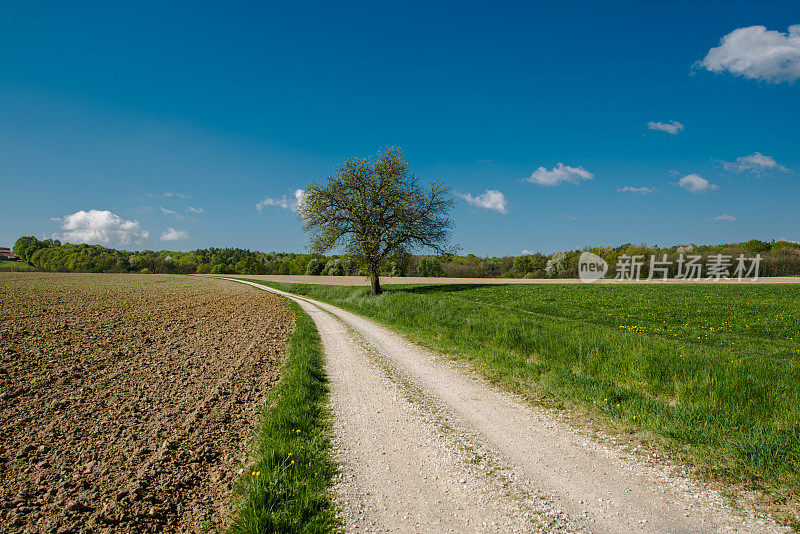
point(127, 401)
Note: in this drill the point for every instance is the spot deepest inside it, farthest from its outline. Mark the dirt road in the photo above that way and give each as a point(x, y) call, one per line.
point(426, 447)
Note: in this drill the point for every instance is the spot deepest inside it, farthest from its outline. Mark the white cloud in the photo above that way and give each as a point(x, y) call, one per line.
point(559, 174)
point(755, 163)
point(671, 128)
point(284, 202)
point(171, 234)
point(527, 252)
point(696, 184)
point(190, 209)
point(175, 214)
point(642, 190)
point(725, 218)
point(490, 200)
point(100, 227)
point(568, 217)
point(757, 53)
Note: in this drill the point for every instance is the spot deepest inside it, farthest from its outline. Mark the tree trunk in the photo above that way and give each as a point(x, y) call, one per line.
point(375, 284)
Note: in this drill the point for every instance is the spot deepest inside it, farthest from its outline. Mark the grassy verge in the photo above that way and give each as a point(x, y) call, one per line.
point(287, 488)
point(15, 266)
point(711, 374)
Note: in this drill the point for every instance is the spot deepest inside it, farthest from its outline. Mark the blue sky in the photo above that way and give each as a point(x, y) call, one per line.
point(180, 118)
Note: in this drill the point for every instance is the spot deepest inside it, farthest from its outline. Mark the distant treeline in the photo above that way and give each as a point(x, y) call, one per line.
point(778, 258)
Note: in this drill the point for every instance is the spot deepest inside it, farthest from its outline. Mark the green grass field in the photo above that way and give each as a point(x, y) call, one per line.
point(15, 266)
point(287, 489)
point(710, 372)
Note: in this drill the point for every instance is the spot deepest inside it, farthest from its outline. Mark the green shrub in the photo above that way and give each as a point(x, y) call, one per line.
point(334, 268)
point(314, 267)
point(429, 266)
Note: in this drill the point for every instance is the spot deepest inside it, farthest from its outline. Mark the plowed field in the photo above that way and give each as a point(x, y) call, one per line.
point(127, 401)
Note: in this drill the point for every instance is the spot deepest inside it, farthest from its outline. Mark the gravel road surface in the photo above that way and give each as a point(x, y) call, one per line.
point(425, 446)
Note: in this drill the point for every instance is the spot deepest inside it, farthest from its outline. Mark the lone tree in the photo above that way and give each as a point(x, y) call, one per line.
point(376, 211)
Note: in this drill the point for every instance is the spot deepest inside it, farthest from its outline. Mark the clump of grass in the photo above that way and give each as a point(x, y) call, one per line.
point(712, 370)
point(287, 488)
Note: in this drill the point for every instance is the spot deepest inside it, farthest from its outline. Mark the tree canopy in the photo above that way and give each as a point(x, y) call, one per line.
point(779, 258)
point(375, 211)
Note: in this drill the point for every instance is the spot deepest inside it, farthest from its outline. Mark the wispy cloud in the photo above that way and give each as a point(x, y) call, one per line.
point(568, 217)
point(558, 175)
point(190, 209)
point(166, 211)
point(757, 53)
point(641, 190)
point(672, 128)
point(724, 218)
point(100, 227)
point(491, 200)
point(171, 234)
point(756, 163)
point(292, 204)
point(695, 183)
